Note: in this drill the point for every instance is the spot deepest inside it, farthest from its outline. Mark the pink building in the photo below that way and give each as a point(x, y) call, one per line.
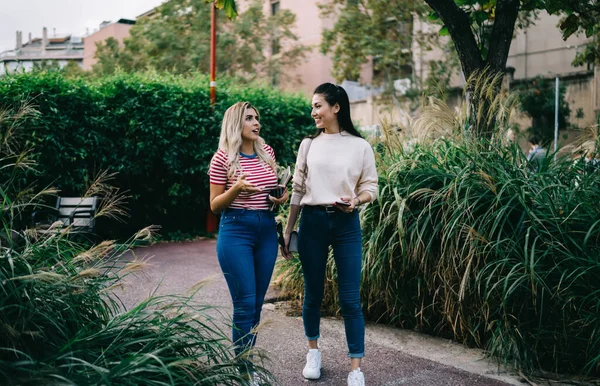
point(316, 68)
point(118, 30)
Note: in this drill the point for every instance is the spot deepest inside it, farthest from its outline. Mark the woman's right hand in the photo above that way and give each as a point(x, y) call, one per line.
point(285, 249)
point(242, 185)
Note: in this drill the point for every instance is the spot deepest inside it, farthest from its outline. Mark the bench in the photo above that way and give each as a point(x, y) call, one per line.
point(75, 213)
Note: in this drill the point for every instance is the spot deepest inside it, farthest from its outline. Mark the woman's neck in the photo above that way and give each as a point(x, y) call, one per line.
point(334, 128)
point(247, 147)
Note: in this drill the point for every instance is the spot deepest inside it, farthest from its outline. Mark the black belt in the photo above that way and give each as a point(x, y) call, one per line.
point(324, 208)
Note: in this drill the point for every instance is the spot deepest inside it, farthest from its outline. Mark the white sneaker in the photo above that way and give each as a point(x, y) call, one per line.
point(256, 381)
point(312, 370)
point(356, 378)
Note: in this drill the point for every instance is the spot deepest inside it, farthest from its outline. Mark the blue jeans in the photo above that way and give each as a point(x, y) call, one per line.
point(247, 250)
point(320, 229)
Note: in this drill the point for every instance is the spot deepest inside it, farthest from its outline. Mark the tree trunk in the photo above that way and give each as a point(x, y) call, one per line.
point(471, 60)
point(459, 26)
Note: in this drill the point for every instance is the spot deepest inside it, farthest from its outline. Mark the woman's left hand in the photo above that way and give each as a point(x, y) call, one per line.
point(280, 200)
point(347, 208)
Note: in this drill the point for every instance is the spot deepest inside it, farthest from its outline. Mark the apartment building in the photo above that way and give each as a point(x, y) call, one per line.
point(118, 30)
point(316, 68)
point(539, 50)
point(59, 49)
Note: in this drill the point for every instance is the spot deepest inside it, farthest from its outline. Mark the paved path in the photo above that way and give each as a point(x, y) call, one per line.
point(176, 267)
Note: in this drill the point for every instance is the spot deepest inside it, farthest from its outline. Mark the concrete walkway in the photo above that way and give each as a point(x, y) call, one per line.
point(394, 356)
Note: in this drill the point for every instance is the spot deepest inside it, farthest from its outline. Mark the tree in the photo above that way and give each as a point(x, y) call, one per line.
point(177, 39)
point(110, 55)
point(73, 70)
point(482, 30)
point(376, 30)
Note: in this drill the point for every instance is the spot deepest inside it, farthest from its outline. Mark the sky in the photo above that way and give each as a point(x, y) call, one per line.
point(68, 17)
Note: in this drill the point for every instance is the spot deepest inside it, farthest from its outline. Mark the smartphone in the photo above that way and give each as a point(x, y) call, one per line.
point(277, 192)
point(293, 246)
point(342, 203)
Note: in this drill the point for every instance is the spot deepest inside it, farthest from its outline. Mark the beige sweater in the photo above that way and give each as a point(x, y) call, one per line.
point(339, 165)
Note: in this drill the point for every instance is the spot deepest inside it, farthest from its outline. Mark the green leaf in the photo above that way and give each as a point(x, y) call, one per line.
point(228, 6)
point(444, 31)
point(433, 16)
point(570, 25)
point(589, 32)
point(480, 17)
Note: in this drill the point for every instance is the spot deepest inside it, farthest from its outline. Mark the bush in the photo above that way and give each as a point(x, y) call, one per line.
point(60, 323)
point(158, 132)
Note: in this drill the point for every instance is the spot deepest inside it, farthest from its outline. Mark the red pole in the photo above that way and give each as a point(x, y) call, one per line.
point(211, 219)
point(213, 54)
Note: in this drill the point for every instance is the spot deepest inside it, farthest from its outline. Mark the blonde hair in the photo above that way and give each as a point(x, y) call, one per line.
point(231, 139)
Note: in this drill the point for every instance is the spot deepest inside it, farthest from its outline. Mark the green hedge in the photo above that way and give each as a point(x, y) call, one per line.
point(158, 132)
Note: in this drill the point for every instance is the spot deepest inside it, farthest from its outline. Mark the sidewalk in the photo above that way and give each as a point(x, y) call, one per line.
point(393, 356)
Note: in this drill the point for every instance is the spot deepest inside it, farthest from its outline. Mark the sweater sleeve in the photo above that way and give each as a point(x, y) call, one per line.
point(299, 178)
point(368, 180)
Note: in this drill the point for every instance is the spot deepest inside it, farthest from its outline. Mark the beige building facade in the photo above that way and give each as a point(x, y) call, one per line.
point(316, 67)
point(118, 30)
point(540, 50)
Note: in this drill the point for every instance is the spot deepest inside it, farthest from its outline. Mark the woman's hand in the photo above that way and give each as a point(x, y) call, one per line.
point(285, 249)
point(242, 185)
point(280, 200)
point(347, 208)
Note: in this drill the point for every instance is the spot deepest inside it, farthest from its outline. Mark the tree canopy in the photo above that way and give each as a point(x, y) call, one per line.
point(482, 30)
point(177, 39)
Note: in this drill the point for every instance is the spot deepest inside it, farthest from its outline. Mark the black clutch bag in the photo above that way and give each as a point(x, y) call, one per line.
point(293, 247)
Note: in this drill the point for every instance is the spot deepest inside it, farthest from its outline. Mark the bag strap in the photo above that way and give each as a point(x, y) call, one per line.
point(305, 171)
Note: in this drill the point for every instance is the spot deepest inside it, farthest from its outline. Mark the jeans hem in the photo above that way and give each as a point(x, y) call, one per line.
point(313, 337)
point(361, 355)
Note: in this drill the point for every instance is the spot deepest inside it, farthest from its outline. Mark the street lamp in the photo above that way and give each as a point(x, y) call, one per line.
point(213, 53)
point(230, 9)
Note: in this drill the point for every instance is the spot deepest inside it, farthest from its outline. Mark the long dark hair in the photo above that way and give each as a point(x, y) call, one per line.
point(336, 94)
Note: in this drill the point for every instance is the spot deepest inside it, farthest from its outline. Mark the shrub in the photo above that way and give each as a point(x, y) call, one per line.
point(60, 322)
point(158, 132)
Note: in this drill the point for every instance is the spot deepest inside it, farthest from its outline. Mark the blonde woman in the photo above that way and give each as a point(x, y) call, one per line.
point(242, 173)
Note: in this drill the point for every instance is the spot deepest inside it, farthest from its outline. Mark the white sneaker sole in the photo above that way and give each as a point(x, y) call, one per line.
point(311, 376)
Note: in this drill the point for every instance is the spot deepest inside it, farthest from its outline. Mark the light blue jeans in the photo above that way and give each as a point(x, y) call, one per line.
point(247, 250)
point(319, 229)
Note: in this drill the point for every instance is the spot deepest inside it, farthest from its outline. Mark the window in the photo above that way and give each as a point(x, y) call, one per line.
point(275, 46)
point(274, 7)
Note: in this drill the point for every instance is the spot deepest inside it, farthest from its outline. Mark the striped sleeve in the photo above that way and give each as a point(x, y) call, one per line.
point(218, 168)
point(270, 151)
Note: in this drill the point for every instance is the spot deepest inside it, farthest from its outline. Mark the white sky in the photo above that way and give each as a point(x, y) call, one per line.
point(67, 16)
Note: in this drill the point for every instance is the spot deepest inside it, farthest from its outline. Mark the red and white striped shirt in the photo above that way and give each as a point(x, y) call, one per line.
point(259, 175)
